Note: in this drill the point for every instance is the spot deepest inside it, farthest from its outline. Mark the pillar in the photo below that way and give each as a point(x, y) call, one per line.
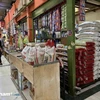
point(71, 45)
point(30, 25)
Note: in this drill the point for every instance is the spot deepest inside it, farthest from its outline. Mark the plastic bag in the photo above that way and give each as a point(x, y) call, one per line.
point(50, 54)
point(25, 51)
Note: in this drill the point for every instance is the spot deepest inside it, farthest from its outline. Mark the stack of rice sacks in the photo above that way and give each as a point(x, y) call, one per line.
point(85, 63)
point(89, 37)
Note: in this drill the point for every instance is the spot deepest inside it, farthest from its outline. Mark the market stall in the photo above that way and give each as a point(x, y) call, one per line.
point(35, 82)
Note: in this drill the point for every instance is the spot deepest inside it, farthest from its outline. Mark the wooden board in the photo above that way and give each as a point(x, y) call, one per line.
point(45, 78)
point(46, 82)
point(16, 62)
point(28, 71)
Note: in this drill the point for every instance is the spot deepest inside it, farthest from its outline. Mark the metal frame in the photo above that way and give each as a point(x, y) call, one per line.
point(71, 45)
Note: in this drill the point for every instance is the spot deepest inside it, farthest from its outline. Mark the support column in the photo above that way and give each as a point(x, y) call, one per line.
point(71, 45)
point(30, 26)
point(15, 21)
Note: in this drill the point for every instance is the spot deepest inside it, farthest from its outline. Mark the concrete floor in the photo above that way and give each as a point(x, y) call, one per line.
point(94, 97)
point(8, 88)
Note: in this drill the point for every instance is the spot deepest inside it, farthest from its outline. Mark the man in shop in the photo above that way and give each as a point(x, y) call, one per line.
point(26, 40)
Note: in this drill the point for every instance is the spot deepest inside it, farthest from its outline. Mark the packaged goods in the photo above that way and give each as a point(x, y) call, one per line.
point(90, 32)
point(50, 54)
point(25, 51)
point(89, 29)
point(90, 24)
point(39, 55)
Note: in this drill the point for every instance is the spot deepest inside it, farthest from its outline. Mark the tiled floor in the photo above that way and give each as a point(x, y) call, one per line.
point(6, 84)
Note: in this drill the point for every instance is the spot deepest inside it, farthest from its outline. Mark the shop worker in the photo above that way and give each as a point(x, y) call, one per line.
point(25, 41)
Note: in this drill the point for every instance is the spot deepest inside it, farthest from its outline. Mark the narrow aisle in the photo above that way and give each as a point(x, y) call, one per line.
point(8, 90)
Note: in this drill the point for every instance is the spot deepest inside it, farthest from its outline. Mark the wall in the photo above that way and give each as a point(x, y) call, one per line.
point(91, 16)
point(32, 7)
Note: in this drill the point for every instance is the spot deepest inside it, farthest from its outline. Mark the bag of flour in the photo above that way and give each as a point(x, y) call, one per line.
point(39, 55)
point(25, 51)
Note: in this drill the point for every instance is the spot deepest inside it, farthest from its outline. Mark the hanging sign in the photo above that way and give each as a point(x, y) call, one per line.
point(82, 10)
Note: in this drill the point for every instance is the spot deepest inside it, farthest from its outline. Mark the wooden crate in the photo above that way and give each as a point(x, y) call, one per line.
point(28, 71)
point(46, 82)
point(45, 78)
point(16, 62)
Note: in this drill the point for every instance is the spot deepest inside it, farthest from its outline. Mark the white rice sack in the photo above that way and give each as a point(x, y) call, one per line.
point(95, 72)
point(28, 60)
point(90, 24)
point(98, 70)
point(97, 48)
point(25, 51)
point(39, 55)
point(87, 34)
point(96, 63)
point(89, 29)
point(32, 54)
point(50, 54)
point(82, 41)
point(95, 77)
point(97, 53)
point(95, 68)
point(60, 46)
point(96, 58)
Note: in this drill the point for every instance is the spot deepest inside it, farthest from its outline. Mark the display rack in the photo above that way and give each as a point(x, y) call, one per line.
point(62, 57)
point(41, 78)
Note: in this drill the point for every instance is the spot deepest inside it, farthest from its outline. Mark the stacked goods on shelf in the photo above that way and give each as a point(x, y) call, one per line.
point(46, 25)
point(90, 32)
point(61, 53)
point(56, 20)
point(64, 15)
point(39, 55)
point(85, 63)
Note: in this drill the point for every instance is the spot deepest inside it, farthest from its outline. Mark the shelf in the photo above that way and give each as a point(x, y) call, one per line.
point(64, 59)
point(64, 49)
point(61, 54)
point(27, 94)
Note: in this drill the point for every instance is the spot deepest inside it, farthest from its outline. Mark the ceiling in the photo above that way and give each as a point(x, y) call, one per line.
point(4, 6)
point(91, 5)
